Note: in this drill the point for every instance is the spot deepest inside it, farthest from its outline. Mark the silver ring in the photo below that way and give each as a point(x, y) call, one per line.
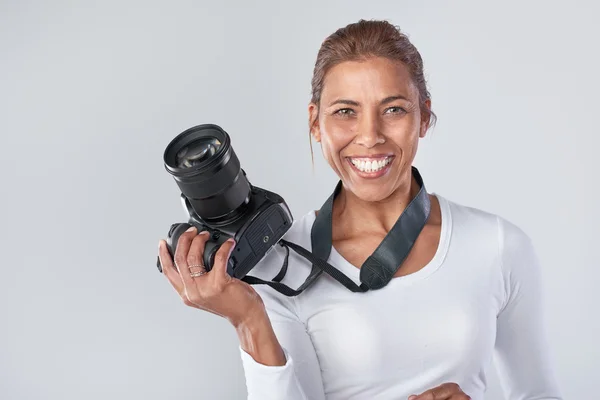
point(196, 266)
point(196, 274)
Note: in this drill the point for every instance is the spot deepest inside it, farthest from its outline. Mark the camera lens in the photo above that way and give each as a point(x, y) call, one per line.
point(208, 172)
point(197, 152)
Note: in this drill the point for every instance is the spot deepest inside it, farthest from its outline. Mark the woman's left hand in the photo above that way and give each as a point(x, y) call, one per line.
point(446, 391)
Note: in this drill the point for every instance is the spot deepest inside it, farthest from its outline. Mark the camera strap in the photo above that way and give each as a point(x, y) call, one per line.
point(381, 266)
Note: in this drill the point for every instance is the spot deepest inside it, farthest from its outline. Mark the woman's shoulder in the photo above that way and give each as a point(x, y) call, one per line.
point(463, 212)
point(467, 215)
point(511, 245)
point(479, 222)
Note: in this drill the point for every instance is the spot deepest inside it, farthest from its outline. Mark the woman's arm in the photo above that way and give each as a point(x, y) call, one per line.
point(523, 355)
point(258, 340)
point(261, 321)
point(277, 354)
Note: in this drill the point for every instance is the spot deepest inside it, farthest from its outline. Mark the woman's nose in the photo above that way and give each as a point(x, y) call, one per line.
point(369, 132)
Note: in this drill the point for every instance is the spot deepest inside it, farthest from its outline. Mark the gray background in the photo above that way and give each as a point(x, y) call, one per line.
point(91, 93)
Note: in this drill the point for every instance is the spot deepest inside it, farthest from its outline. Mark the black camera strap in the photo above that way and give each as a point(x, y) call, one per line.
point(381, 266)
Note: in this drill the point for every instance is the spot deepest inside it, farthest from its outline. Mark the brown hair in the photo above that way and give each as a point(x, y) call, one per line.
point(364, 39)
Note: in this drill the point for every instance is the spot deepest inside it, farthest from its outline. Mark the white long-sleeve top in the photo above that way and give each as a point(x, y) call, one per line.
point(477, 303)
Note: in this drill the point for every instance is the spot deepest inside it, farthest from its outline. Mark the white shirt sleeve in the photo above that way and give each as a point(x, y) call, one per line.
point(523, 356)
point(300, 378)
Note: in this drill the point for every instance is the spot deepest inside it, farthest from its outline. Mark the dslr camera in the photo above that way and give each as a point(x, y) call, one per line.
point(218, 197)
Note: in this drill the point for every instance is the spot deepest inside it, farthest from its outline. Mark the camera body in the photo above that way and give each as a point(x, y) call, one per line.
point(258, 227)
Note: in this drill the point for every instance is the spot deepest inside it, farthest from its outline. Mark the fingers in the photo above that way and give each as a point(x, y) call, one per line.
point(446, 391)
point(171, 273)
point(181, 254)
point(189, 252)
point(196, 254)
point(222, 258)
point(183, 247)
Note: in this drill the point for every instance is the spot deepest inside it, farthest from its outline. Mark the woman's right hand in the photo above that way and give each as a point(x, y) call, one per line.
point(215, 291)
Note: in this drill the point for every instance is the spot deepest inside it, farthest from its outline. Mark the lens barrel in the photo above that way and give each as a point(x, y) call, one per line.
point(208, 172)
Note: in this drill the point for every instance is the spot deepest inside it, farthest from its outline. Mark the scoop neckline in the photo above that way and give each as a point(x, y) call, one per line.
point(352, 272)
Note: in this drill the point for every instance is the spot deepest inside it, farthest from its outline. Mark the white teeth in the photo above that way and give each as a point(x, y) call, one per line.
point(370, 165)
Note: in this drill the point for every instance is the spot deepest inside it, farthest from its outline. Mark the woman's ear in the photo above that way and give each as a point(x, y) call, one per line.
point(313, 121)
point(425, 119)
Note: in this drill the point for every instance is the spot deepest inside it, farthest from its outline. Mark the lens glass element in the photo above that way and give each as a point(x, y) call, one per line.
point(197, 152)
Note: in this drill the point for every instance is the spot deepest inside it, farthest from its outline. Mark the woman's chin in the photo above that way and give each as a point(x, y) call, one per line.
point(370, 192)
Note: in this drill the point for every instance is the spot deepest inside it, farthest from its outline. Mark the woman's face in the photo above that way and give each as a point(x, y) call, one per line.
point(369, 124)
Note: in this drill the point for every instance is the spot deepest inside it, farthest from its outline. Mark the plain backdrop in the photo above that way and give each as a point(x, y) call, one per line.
point(92, 92)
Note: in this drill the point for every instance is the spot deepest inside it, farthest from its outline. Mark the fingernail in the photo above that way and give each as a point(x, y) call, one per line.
point(191, 228)
point(160, 244)
point(412, 397)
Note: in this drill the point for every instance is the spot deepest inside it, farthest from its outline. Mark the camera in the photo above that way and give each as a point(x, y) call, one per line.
point(218, 197)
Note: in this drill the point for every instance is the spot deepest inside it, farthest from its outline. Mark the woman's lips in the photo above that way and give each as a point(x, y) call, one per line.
point(371, 167)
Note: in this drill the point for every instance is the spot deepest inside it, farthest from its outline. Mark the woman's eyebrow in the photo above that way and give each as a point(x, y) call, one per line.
point(388, 99)
point(344, 101)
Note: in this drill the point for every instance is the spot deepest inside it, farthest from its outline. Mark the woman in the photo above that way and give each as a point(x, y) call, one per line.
point(469, 287)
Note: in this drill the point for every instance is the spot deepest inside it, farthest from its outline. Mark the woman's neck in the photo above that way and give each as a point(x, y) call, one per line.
point(354, 217)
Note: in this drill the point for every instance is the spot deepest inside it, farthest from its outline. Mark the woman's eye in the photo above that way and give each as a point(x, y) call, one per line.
point(344, 111)
point(395, 110)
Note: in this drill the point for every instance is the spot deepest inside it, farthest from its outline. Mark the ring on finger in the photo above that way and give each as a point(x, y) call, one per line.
point(195, 274)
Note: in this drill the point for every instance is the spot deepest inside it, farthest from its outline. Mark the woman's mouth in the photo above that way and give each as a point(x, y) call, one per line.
point(370, 167)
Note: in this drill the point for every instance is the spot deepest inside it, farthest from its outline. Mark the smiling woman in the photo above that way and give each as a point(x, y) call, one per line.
point(468, 289)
